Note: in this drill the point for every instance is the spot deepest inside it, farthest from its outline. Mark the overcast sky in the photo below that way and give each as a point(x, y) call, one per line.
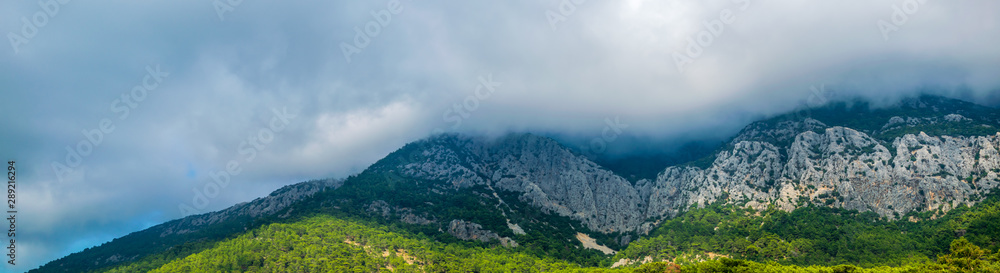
point(355, 80)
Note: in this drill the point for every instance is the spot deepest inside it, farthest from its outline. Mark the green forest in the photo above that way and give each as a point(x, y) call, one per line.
point(340, 230)
point(815, 235)
point(326, 244)
point(809, 239)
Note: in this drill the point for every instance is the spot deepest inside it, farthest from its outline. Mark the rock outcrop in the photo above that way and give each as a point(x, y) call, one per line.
point(785, 164)
point(840, 167)
point(471, 231)
point(405, 215)
point(929, 154)
point(548, 176)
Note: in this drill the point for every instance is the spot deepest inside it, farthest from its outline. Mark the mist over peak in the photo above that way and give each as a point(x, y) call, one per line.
point(364, 78)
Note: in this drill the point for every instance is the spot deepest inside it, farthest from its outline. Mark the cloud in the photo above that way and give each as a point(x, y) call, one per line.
point(562, 68)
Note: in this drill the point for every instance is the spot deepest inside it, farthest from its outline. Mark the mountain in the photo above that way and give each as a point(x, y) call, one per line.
point(187, 234)
point(924, 161)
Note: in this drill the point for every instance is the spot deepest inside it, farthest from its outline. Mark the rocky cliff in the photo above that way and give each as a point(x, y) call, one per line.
point(838, 167)
point(889, 164)
point(544, 173)
point(928, 154)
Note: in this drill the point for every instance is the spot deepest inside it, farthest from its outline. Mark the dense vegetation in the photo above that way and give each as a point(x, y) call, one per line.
point(328, 244)
point(548, 235)
point(342, 231)
point(809, 239)
point(816, 235)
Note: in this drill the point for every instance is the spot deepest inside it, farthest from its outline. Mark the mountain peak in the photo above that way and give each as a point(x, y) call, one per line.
point(928, 155)
point(934, 115)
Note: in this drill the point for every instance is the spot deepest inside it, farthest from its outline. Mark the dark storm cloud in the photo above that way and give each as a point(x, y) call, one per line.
point(551, 67)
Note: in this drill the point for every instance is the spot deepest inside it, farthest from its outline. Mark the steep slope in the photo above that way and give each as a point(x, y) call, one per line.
point(328, 244)
point(786, 162)
point(518, 190)
point(543, 173)
point(530, 193)
point(815, 235)
point(332, 244)
point(796, 158)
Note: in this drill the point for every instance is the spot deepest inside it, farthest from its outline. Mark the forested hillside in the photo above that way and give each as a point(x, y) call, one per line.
point(910, 188)
point(817, 235)
point(328, 244)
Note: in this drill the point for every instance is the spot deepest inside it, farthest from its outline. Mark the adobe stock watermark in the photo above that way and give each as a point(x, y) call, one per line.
point(564, 10)
point(122, 107)
point(461, 111)
point(247, 152)
point(225, 6)
point(899, 17)
point(598, 145)
point(29, 28)
point(706, 37)
point(455, 115)
point(818, 96)
point(364, 34)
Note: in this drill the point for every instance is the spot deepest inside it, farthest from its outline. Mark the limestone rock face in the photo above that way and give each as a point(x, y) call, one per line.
point(787, 164)
point(405, 215)
point(546, 174)
point(471, 231)
point(842, 168)
point(927, 154)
